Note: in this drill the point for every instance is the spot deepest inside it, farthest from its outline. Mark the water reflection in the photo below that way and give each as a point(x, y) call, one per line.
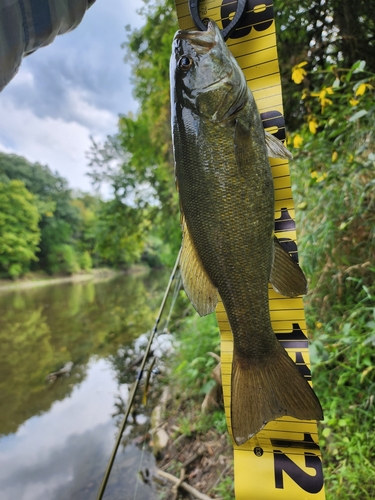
point(57, 438)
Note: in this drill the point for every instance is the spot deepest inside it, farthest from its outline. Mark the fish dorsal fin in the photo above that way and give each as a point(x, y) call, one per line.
point(275, 148)
point(198, 286)
point(286, 277)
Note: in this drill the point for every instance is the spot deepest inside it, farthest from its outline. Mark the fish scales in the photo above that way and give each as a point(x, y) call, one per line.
point(226, 196)
point(219, 206)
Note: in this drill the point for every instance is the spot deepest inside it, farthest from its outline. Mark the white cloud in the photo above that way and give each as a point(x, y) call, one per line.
point(71, 90)
point(96, 119)
point(51, 141)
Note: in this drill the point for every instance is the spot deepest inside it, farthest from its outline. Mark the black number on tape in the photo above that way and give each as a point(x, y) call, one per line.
point(274, 119)
point(259, 15)
point(295, 339)
point(285, 221)
point(289, 246)
point(307, 443)
point(302, 366)
point(310, 483)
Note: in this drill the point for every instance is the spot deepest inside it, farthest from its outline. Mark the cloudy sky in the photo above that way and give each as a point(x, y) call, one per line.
point(70, 90)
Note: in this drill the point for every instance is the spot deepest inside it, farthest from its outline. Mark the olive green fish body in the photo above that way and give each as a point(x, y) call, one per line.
point(220, 207)
point(227, 203)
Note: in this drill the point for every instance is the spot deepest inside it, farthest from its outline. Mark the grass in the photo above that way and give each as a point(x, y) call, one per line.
point(191, 369)
point(189, 378)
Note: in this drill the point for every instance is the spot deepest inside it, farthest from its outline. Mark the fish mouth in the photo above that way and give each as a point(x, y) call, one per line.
point(202, 41)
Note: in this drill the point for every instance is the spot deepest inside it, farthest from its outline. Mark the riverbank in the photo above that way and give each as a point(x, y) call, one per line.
point(194, 451)
point(189, 433)
point(38, 279)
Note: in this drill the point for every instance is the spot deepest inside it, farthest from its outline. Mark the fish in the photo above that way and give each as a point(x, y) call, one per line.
point(229, 250)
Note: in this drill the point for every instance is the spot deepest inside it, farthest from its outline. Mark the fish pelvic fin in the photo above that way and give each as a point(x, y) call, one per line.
point(266, 390)
point(275, 148)
point(198, 287)
point(286, 277)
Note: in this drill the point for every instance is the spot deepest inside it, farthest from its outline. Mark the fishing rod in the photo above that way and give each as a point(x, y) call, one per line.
point(136, 384)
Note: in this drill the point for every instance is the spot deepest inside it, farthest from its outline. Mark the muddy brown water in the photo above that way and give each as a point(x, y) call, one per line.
point(56, 438)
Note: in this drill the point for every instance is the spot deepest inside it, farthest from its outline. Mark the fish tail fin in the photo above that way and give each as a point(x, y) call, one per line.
point(265, 390)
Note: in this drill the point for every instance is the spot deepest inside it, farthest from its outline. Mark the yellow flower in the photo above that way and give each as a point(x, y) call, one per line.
point(362, 88)
point(319, 178)
point(334, 156)
point(313, 125)
point(324, 101)
point(298, 73)
point(353, 101)
point(318, 324)
point(297, 141)
point(322, 177)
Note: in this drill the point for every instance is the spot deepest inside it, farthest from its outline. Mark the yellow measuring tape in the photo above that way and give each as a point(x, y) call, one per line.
point(283, 460)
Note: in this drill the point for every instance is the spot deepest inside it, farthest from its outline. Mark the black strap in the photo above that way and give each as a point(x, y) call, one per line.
point(194, 12)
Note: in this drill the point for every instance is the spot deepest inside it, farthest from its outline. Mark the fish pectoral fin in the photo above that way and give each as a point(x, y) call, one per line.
point(275, 148)
point(267, 389)
point(198, 287)
point(286, 277)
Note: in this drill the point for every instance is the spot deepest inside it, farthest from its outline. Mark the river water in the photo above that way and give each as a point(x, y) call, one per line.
point(56, 438)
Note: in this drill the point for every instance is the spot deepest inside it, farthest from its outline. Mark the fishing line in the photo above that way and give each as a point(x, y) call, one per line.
point(174, 298)
point(136, 383)
point(165, 330)
point(150, 368)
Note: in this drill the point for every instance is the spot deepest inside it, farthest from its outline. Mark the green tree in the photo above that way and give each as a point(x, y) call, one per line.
point(60, 220)
point(324, 33)
point(88, 207)
point(138, 160)
point(19, 231)
point(119, 233)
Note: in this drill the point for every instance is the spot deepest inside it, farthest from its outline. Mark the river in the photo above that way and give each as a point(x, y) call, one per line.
point(56, 437)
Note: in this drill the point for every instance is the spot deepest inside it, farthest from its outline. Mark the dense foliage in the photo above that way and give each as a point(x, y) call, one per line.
point(333, 176)
point(62, 245)
point(20, 234)
point(324, 33)
point(45, 226)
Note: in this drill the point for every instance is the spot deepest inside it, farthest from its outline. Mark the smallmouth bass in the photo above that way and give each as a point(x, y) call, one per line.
point(227, 216)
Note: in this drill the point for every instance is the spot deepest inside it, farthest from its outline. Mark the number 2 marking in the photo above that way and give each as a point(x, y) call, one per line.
point(309, 483)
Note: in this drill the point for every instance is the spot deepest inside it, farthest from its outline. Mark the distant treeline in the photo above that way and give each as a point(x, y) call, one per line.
point(44, 225)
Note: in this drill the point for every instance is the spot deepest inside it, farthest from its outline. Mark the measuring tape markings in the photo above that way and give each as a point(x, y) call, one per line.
point(282, 461)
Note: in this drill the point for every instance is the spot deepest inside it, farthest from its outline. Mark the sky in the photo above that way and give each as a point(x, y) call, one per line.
point(71, 90)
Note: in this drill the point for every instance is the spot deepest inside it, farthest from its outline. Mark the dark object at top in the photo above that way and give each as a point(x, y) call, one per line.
point(194, 12)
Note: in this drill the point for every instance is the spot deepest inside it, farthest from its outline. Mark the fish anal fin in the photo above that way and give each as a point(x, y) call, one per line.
point(286, 277)
point(266, 390)
point(275, 148)
point(198, 287)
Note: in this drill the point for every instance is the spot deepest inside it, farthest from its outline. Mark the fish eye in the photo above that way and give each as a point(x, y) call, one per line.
point(184, 63)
